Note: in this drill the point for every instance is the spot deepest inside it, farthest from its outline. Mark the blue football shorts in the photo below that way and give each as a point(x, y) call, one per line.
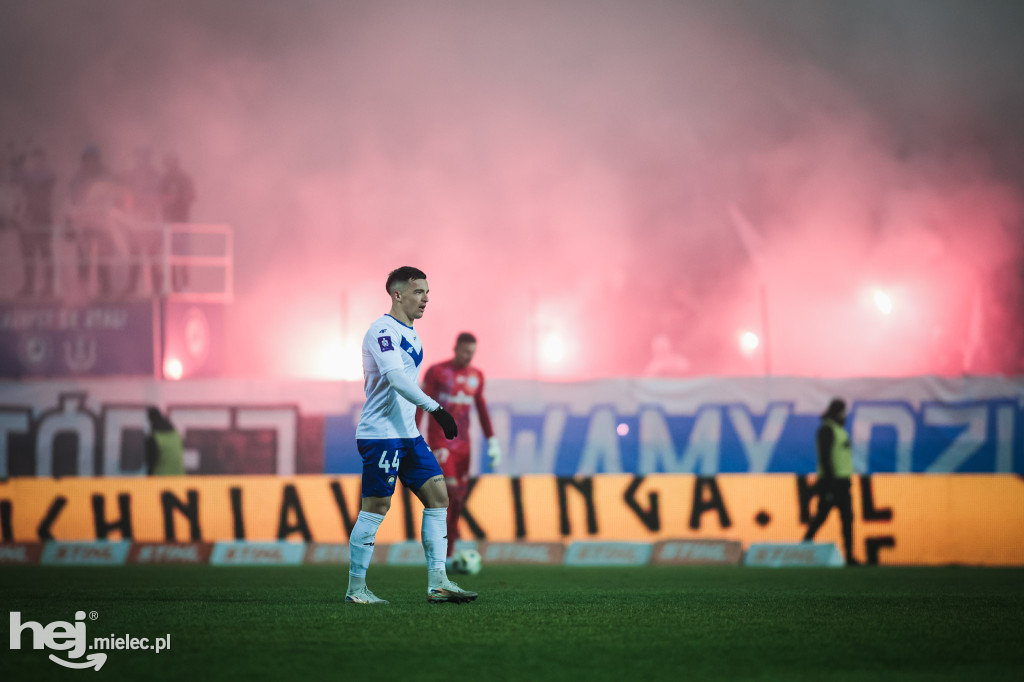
point(387, 459)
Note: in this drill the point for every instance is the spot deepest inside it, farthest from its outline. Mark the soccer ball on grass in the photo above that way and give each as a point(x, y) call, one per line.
point(467, 562)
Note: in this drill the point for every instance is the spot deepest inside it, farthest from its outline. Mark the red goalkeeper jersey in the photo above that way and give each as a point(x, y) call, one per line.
point(457, 390)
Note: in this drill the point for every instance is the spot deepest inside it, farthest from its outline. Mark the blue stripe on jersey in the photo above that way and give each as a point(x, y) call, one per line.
point(417, 358)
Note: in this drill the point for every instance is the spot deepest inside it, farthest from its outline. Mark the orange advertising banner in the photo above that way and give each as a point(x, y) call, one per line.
point(898, 519)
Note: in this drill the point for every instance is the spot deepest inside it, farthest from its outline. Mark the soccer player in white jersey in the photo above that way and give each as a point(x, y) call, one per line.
point(392, 447)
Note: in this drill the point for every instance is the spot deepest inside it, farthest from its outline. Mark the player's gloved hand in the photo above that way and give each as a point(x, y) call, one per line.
point(494, 452)
point(446, 421)
point(441, 454)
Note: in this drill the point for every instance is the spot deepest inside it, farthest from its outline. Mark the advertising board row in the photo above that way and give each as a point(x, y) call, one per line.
point(898, 519)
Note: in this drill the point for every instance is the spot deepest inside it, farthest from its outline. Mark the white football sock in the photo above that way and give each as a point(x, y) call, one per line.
point(434, 534)
point(360, 548)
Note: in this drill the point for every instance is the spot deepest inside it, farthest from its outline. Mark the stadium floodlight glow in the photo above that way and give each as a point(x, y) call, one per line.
point(173, 369)
point(351, 368)
point(749, 342)
point(553, 348)
point(336, 360)
point(882, 301)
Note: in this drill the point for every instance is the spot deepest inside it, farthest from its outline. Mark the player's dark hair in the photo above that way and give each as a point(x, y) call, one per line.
point(465, 337)
point(401, 275)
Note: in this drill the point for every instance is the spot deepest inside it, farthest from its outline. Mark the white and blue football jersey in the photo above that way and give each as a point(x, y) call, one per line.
point(388, 345)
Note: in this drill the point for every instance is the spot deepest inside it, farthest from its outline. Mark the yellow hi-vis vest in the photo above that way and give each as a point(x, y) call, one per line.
point(842, 452)
point(169, 459)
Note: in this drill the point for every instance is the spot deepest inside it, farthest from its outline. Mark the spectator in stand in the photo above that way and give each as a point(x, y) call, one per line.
point(177, 192)
point(145, 238)
point(37, 180)
point(11, 198)
point(97, 217)
point(177, 196)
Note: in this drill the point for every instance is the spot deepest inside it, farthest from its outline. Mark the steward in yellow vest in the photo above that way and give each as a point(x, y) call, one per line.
point(835, 467)
point(164, 447)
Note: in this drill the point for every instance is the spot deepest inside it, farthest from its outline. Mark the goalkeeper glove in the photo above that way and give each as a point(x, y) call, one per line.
point(446, 421)
point(494, 452)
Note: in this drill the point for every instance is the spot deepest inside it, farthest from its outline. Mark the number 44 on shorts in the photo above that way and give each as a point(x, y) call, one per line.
point(385, 465)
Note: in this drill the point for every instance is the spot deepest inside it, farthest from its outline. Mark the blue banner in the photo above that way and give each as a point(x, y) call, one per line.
point(980, 436)
point(41, 340)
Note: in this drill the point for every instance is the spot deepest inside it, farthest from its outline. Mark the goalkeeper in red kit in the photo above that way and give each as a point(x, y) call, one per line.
point(458, 386)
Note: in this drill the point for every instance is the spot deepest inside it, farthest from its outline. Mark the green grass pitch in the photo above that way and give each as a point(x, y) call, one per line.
point(532, 623)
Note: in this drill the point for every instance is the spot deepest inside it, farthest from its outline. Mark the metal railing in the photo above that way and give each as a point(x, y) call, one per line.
point(177, 261)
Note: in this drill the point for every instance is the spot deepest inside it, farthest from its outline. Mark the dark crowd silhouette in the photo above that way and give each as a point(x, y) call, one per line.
point(113, 218)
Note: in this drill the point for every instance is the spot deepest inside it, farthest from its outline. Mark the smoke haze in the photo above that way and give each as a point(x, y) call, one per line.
point(595, 172)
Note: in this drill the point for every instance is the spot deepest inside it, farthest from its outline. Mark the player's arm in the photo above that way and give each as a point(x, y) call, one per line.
point(427, 387)
point(493, 447)
point(410, 391)
point(481, 410)
point(406, 388)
